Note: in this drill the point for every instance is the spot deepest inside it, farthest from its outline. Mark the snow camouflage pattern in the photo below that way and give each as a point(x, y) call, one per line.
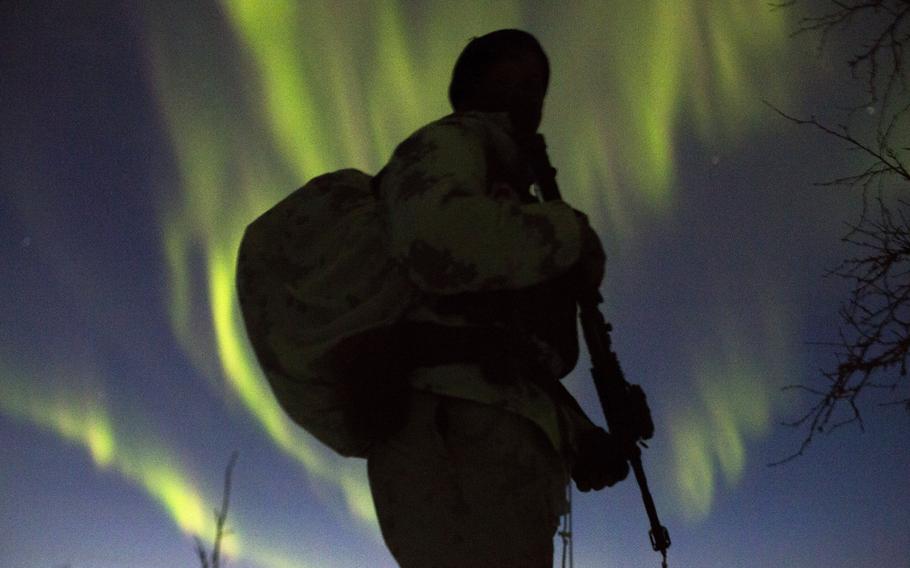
point(480, 250)
point(311, 271)
point(462, 483)
point(458, 220)
point(454, 221)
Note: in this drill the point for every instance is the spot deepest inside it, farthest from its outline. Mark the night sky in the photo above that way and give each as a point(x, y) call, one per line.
point(139, 139)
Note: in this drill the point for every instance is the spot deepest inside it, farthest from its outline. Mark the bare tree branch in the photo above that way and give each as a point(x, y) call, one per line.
point(201, 553)
point(214, 560)
point(886, 159)
point(888, 32)
point(874, 342)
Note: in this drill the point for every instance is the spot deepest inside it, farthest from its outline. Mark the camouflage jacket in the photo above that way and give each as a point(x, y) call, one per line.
point(480, 251)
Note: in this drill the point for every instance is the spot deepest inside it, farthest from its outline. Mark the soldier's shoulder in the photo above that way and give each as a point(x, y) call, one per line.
point(464, 123)
point(450, 130)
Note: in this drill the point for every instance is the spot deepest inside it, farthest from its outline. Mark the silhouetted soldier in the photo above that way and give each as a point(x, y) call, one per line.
point(476, 474)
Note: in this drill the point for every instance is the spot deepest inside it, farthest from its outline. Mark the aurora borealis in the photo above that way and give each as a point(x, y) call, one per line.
point(139, 139)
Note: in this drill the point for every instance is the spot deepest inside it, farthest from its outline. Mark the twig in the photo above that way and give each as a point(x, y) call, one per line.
point(214, 561)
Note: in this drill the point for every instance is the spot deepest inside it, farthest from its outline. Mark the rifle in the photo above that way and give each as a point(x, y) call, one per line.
point(624, 406)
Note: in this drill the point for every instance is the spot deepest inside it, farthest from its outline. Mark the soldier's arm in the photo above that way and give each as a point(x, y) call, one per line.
point(453, 236)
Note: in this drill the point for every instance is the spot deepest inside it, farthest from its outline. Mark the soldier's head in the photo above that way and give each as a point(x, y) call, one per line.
point(502, 71)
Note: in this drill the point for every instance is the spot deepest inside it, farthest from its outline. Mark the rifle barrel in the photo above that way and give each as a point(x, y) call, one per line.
point(609, 379)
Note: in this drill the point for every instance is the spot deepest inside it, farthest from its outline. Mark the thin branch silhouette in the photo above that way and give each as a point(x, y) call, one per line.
point(874, 339)
point(213, 560)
